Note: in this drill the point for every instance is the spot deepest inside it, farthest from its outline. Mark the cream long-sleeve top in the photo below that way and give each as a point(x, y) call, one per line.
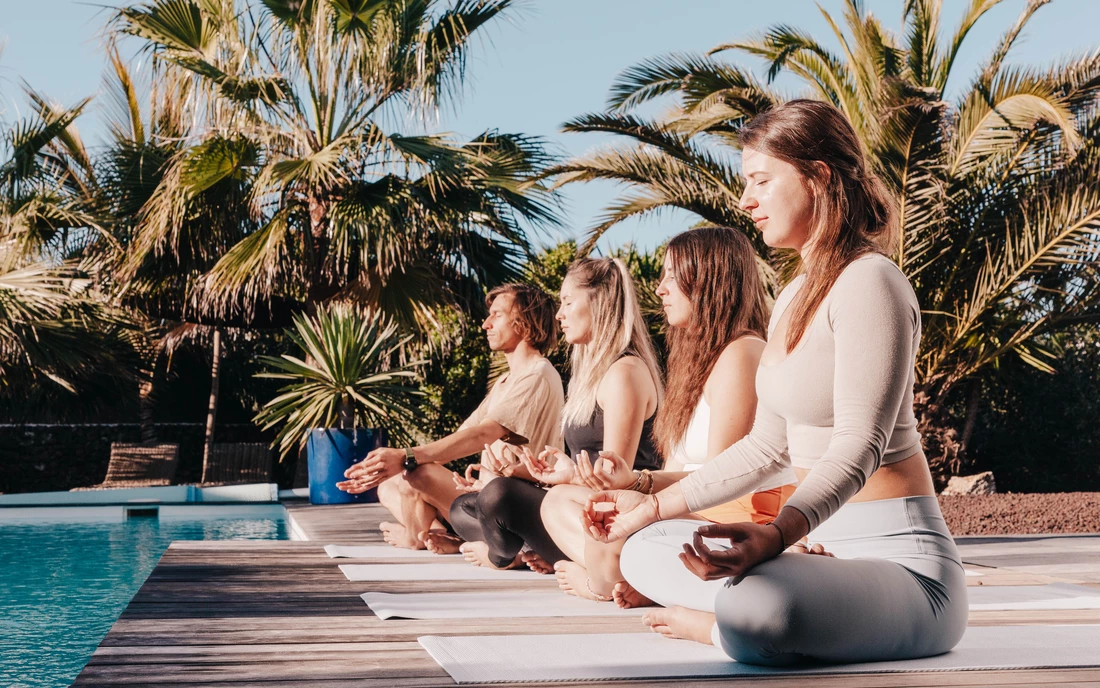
point(840, 404)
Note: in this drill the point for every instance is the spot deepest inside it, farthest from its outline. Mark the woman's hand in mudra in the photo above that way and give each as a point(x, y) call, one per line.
point(618, 514)
point(468, 483)
point(551, 467)
point(608, 472)
point(750, 544)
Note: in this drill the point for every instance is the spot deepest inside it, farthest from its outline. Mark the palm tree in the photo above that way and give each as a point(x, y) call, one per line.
point(353, 374)
point(59, 335)
point(290, 102)
point(998, 189)
point(56, 337)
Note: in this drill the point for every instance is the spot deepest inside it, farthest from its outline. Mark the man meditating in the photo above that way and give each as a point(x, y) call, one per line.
point(523, 407)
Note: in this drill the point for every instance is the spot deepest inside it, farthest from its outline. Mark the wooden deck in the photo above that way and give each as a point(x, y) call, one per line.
point(238, 614)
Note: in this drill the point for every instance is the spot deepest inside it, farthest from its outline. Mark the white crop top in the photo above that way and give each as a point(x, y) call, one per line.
point(693, 448)
point(841, 404)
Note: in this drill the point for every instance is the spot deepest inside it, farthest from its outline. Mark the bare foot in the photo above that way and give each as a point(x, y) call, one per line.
point(441, 542)
point(477, 553)
point(398, 536)
point(627, 597)
point(573, 580)
point(535, 562)
point(680, 622)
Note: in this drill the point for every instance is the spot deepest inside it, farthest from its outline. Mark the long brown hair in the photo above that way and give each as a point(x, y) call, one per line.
point(617, 329)
point(715, 268)
point(853, 211)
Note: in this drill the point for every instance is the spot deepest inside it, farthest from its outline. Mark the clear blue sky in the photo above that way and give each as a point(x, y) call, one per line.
point(552, 62)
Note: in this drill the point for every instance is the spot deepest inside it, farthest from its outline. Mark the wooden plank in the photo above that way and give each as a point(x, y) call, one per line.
point(242, 614)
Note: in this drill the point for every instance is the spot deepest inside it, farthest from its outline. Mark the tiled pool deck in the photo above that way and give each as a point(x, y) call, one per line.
point(240, 614)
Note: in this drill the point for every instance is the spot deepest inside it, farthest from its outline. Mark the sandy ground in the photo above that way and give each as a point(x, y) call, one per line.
point(1018, 514)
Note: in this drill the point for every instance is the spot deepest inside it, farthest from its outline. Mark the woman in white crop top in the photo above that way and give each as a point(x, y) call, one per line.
point(835, 388)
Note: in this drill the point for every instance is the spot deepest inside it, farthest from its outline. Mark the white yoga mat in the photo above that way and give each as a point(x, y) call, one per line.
point(383, 552)
point(436, 572)
point(626, 656)
point(488, 605)
point(1017, 597)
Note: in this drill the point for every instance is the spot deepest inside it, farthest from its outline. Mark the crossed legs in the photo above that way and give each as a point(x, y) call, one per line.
point(418, 501)
point(593, 571)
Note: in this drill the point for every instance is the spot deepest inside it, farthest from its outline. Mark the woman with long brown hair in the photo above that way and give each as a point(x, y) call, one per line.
point(836, 399)
point(713, 300)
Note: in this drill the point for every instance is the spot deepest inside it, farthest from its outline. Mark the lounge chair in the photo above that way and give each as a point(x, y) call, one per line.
point(238, 464)
point(139, 465)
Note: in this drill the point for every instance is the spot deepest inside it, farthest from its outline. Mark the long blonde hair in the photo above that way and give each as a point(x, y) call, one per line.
point(617, 329)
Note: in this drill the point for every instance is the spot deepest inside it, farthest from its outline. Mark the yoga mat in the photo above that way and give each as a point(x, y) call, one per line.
point(627, 656)
point(383, 552)
point(487, 605)
point(436, 572)
point(1015, 597)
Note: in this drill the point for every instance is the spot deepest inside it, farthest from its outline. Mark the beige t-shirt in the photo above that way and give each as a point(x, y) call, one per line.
point(528, 404)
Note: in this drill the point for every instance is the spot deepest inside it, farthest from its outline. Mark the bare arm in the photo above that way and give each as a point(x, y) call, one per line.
point(730, 392)
point(628, 396)
point(461, 443)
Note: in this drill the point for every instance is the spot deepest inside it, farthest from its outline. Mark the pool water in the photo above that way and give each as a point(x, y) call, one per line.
point(63, 584)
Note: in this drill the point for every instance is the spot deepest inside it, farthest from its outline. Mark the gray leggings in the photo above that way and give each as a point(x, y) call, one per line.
point(896, 590)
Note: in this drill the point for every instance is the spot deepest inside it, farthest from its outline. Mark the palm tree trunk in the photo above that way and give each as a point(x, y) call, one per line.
point(212, 408)
point(147, 400)
point(145, 397)
point(971, 413)
point(318, 290)
point(346, 414)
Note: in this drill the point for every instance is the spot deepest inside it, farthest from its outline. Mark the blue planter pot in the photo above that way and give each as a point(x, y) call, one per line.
point(331, 452)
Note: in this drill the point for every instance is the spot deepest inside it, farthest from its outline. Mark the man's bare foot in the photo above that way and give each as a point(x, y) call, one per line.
point(627, 597)
point(680, 622)
point(535, 562)
point(477, 553)
point(573, 580)
point(398, 536)
point(441, 542)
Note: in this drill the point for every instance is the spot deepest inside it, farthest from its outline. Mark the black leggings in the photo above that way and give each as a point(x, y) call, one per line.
point(505, 515)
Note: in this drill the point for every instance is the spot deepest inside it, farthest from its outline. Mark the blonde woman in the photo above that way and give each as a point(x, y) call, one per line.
point(611, 404)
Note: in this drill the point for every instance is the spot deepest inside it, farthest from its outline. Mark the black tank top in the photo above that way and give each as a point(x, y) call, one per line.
point(589, 437)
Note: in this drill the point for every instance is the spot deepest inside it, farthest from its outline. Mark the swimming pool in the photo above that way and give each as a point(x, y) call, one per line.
point(67, 573)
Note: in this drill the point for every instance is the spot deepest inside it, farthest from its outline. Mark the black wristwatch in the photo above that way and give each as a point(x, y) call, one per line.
point(410, 463)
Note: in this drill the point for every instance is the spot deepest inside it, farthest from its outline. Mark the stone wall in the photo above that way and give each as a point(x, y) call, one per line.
point(47, 457)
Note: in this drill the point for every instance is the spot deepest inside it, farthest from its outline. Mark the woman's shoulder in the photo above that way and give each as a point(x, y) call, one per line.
point(741, 355)
point(870, 280)
point(628, 367)
point(872, 270)
point(746, 348)
point(629, 374)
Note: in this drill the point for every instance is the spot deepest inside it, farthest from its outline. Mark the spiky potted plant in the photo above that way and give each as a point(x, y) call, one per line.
point(349, 392)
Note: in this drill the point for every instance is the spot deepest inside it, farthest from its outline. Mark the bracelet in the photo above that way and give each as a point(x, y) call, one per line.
point(656, 507)
point(643, 483)
point(782, 537)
